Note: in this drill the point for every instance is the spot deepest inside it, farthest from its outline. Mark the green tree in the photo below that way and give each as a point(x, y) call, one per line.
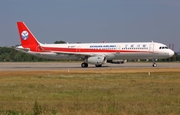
point(60, 42)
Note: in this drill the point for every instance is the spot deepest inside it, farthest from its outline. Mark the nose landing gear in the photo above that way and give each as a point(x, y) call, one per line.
point(154, 63)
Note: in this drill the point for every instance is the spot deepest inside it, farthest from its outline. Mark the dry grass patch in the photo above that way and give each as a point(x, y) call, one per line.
point(117, 91)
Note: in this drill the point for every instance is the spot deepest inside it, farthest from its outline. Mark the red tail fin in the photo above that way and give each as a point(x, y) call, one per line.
point(27, 38)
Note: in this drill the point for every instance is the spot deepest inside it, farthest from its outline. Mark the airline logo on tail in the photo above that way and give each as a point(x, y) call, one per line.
point(24, 35)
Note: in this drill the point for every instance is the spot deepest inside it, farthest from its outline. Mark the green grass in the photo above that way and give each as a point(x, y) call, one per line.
point(87, 94)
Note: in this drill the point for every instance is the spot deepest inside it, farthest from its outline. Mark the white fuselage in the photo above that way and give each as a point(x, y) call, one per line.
point(133, 50)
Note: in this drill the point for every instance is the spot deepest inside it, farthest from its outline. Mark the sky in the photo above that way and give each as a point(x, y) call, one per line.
point(92, 21)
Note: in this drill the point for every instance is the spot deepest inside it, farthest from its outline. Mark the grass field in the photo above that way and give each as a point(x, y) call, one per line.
point(91, 92)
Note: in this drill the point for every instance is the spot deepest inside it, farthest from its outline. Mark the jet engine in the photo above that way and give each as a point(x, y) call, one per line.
point(97, 60)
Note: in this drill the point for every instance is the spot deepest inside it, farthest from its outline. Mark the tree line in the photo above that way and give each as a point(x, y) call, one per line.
point(9, 54)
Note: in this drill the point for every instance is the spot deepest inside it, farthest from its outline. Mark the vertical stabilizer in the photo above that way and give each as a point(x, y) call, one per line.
point(27, 38)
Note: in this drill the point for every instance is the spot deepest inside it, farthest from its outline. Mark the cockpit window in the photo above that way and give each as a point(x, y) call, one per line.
point(163, 47)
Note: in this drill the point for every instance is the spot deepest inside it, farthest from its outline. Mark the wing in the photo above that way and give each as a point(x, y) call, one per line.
point(78, 54)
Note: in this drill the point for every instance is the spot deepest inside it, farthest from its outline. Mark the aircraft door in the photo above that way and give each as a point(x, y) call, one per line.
point(78, 49)
point(151, 48)
point(118, 50)
point(38, 50)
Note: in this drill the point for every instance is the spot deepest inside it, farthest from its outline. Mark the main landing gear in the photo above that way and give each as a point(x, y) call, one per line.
point(83, 65)
point(98, 65)
point(154, 63)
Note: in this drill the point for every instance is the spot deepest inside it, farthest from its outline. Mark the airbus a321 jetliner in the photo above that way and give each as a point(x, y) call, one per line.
point(92, 53)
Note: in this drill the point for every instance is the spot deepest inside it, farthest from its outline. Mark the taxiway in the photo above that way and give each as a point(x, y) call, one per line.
point(17, 66)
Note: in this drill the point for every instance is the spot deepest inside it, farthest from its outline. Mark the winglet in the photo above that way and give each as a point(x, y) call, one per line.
point(27, 39)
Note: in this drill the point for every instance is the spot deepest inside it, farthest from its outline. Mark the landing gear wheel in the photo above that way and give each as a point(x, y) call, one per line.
point(83, 65)
point(154, 62)
point(86, 64)
point(98, 65)
point(154, 65)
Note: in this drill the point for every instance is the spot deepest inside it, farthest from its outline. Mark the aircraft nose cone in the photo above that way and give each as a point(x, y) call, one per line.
point(171, 53)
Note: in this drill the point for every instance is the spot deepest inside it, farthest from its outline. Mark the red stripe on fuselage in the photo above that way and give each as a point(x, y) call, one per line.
point(86, 50)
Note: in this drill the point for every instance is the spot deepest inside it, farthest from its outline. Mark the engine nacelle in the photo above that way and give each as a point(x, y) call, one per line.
point(116, 61)
point(97, 60)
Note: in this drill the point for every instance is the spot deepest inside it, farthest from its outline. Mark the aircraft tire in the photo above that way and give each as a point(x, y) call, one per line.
point(154, 65)
point(83, 65)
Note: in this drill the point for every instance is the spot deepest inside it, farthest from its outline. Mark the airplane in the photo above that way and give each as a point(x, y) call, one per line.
point(92, 53)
